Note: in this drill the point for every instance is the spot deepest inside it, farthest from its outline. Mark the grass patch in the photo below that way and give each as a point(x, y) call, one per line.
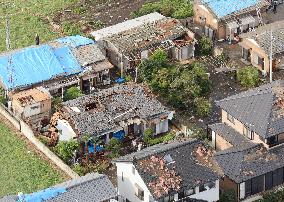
point(22, 170)
point(30, 18)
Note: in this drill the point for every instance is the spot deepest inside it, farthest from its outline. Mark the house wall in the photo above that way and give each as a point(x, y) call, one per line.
point(221, 143)
point(200, 11)
point(126, 187)
point(183, 53)
point(208, 195)
point(255, 51)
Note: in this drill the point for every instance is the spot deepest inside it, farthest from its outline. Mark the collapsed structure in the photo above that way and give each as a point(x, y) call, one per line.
point(176, 171)
point(225, 19)
point(68, 61)
point(122, 109)
point(259, 45)
point(129, 42)
point(250, 140)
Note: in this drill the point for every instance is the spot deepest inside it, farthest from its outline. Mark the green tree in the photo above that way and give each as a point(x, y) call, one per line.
point(57, 103)
point(204, 46)
point(66, 149)
point(72, 93)
point(114, 146)
point(248, 76)
point(202, 106)
point(148, 135)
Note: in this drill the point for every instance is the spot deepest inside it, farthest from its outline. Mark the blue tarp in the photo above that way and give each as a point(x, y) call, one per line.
point(36, 64)
point(41, 195)
point(119, 135)
point(75, 41)
point(91, 147)
point(120, 80)
point(99, 148)
point(225, 7)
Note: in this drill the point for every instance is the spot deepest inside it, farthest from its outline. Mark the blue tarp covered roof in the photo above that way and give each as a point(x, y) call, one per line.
point(75, 41)
point(35, 64)
point(226, 7)
point(41, 195)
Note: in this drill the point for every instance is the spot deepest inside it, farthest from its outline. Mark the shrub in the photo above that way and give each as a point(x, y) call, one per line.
point(72, 93)
point(114, 146)
point(248, 76)
point(164, 138)
point(204, 46)
point(273, 196)
point(70, 28)
point(202, 106)
point(80, 170)
point(65, 149)
point(57, 103)
point(148, 135)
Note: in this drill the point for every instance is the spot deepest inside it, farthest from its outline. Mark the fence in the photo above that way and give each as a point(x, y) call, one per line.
point(28, 133)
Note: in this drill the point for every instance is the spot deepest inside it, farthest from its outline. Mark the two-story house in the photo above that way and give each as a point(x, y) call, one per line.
point(249, 140)
point(176, 171)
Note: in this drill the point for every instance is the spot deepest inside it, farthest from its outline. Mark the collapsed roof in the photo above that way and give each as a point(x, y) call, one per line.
point(110, 109)
point(178, 166)
point(260, 109)
point(262, 36)
point(150, 34)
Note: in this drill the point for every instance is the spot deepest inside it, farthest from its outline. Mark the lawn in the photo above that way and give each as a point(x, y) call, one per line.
point(21, 168)
point(28, 18)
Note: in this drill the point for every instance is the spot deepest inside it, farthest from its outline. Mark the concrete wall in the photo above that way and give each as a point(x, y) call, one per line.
point(28, 133)
point(255, 51)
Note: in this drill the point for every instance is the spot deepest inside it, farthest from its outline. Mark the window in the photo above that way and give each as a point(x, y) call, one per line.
point(34, 107)
point(122, 176)
point(202, 188)
point(133, 170)
point(230, 118)
point(249, 134)
point(189, 192)
point(272, 140)
point(139, 192)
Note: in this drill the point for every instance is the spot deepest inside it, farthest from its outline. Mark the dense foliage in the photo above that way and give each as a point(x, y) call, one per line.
point(169, 8)
point(179, 85)
point(203, 106)
point(248, 76)
point(72, 93)
point(65, 149)
point(114, 146)
point(273, 196)
point(228, 196)
point(150, 140)
point(204, 46)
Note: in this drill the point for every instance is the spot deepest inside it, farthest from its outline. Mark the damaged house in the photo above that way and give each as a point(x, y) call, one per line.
point(175, 171)
point(256, 46)
point(129, 42)
point(126, 109)
point(57, 65)
point(225, 19)
point(250, 140)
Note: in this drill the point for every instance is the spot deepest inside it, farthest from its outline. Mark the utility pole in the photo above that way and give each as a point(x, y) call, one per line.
point(270, 57)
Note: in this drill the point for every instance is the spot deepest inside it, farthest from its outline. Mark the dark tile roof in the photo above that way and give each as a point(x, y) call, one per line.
point(260, 109)
point(186, 163)
point(262, 35)
point(113, 106)
point(92, 187)
point(231, 135)
point(241, 164)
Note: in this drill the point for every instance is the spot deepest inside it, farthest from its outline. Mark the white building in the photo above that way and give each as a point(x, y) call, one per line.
point(168, 172)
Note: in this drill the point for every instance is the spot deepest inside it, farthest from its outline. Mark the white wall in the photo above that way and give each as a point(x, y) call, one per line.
point(209, 195)
point(66, 132)
point(242, 190)
point(162, 126)
point(126, 188)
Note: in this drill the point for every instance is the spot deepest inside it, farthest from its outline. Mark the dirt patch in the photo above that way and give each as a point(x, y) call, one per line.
point(92, 15)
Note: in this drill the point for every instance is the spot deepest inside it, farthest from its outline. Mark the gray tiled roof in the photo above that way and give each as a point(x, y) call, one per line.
point(260, 109)
point(92, 187)
point(186, 164)
point(231, 135)
point(262, 35)
point(113, 105)
point(242, 164)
